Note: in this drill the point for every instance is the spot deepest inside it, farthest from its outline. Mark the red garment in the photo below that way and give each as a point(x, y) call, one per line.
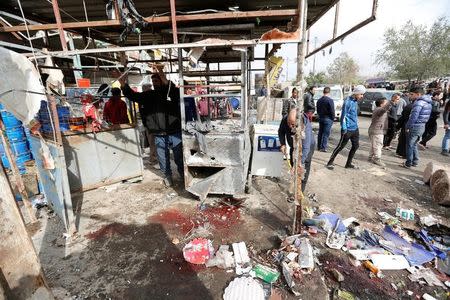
point(115, 111)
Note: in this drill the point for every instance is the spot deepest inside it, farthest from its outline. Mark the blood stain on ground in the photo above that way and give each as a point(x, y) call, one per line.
point(223, 218)
point(107, 230)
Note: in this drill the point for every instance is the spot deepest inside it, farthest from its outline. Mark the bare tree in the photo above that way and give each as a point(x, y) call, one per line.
point(343, 70)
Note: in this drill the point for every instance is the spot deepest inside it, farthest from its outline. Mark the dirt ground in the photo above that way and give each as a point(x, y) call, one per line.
point(130, 238)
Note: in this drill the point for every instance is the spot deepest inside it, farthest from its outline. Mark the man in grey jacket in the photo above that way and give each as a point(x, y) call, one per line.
point(309, 107)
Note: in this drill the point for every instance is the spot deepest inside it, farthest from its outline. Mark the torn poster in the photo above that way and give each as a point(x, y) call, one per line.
point(19, 75)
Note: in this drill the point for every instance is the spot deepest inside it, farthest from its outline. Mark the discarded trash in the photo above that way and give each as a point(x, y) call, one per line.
point(388, 219)
point(241, 258)
point(366, 253)
point(347, 222)
point(344, 295)
point(388, 199)
point(198, 251)
point(175, 241)
point(292, 256)
point(244, 288)
point(267, 274)
point(406, 214)
point(335, 240)
point(428, 297)
point(389, 262)
point(372, 268)
point(419, 182)
point(418, 273)
point(223, 258)
point(433, 245)
point(333, 221)
point(337, 275)
point(443, 266)
point(414, 253)
point(306, 257)
point(39, 202)
point(429, 220)
point(410, 293)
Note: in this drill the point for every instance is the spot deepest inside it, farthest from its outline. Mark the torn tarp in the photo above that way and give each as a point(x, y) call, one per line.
point(432, 245)
point(21, 90)
point(332, 220)
point(415, 254)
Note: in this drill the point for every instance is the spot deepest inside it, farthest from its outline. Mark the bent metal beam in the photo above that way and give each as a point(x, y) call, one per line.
point(163, 19)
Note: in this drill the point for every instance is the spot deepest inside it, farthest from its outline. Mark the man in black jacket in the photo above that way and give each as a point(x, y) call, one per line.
point(308, 102)
point(162, 119)
point(326, 112)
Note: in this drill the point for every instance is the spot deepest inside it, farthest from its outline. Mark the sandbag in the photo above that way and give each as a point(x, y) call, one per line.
point(429, 171)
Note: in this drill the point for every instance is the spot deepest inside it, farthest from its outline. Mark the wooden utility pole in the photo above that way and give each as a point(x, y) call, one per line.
point(19, 263)
point(301, 53)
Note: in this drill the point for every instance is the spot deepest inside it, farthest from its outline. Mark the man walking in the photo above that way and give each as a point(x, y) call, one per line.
point(415, 127)
point(349, 127)
point(431, 125)
point(325, 110)
point(163, 119)
point(308, 102)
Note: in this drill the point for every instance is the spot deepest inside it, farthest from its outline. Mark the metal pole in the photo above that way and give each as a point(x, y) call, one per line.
point(336, 19)
point(174, 21)
point(298, 195)
point(244, 89)
point(59, 24)
point(314, 59)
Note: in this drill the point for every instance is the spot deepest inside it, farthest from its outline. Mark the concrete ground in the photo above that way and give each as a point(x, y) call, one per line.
point(130, 238)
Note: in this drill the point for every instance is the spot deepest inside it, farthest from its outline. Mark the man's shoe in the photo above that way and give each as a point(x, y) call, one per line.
point(330, 166)
point(414, 165)
point(379, 163)
point(351, 166)
point(168, 181)
point(422, 146)
point(404, 165)
point(323, 150)
point(387, 148)
point(445, 153)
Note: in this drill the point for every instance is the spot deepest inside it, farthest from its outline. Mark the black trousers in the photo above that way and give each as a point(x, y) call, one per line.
point(390, 134)
point(430, 131)
point(352, 136)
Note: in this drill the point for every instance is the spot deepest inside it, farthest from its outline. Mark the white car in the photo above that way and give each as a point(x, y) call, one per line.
point(335, 94)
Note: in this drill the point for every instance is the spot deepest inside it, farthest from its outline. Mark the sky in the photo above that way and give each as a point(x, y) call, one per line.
point(362, 44)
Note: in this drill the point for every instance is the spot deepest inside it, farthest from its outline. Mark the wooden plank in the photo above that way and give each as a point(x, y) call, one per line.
point(19, 263)
point(163, 19)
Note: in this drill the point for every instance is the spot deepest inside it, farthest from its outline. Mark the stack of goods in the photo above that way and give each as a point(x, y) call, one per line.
point(44, 116)
point(17, 138)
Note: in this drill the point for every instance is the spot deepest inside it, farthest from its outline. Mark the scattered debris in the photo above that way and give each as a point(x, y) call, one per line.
point(306, 257)
point(418, 273)
point(223, 258)
point(198, 251)
point(429, 220)
point(337, 275)
point(39, 202)
point(428, 297)
point(244, 288)
point(389, 262)
point(344, 295)
point(265, 273)
point(175, 241)
point(406, 214)
point(241, 257)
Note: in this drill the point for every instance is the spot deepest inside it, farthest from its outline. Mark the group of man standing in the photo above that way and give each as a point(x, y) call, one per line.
point(414, 114)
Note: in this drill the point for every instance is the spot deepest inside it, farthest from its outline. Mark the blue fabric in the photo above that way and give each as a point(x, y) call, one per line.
point(429, 242)
point(325, 125)
point(417, 254)
point(332, 219)
point(412, 153)
point(163, 145)
point(445, 140)
point(325, 108)
point(349, 115)
point(190, 110)
point(420, 112)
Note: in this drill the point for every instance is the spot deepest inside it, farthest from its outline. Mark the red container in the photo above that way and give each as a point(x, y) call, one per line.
point(84, 82)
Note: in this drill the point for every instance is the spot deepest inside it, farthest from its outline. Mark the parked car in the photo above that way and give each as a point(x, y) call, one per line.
point(335, 94)
point(367, 104)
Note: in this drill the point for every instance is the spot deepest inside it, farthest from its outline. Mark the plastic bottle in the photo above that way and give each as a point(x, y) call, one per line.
point(371, 267)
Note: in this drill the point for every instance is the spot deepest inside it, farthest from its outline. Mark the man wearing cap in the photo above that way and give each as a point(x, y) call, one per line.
point(349, 127)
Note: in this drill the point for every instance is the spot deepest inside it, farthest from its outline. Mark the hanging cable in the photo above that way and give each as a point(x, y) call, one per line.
point(89, 29)
point(37, 68)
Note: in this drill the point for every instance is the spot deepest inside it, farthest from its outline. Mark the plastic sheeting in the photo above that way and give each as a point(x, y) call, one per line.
point(19, 75)
point(414, 253)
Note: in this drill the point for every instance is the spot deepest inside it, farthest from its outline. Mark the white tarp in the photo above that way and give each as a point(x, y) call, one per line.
point(19, 75)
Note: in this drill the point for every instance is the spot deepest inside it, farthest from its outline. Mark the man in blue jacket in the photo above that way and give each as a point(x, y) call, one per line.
point(349, 127)
point(415, 127)
point(325, 110)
